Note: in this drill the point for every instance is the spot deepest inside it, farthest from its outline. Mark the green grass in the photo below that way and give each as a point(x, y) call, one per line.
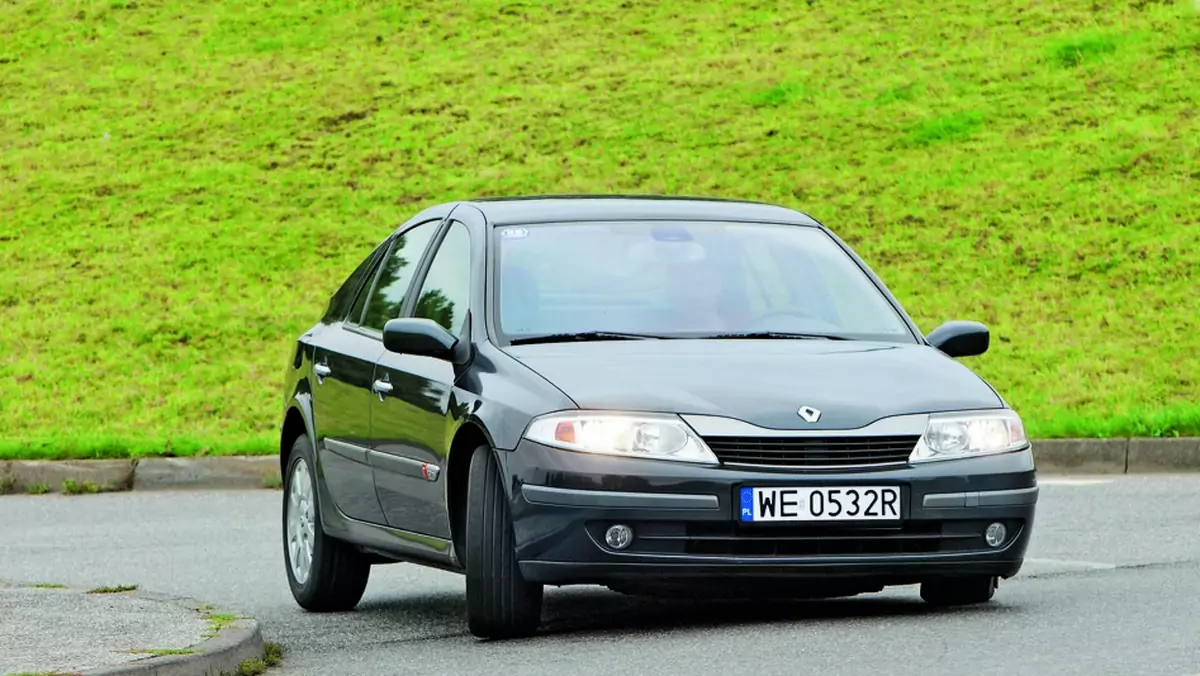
point(73, 487)
point(272, 653)
point(1076, 52)
point(272, 656)
point(77, 444)
point(218, 621)
point(183, 184)
point(946, 128)
point(116, 589)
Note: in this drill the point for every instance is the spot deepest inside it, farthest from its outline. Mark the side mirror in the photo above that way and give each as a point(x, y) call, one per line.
point(960, 338)
point(423, 337)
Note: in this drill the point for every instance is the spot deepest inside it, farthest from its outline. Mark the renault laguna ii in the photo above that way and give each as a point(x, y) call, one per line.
point(659, 395)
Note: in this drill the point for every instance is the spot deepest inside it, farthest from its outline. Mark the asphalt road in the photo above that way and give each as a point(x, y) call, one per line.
point(1112, 587)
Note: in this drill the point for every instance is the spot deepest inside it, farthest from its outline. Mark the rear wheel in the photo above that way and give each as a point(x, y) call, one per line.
point(500, 603)
point(959, 591)
point(324, 574)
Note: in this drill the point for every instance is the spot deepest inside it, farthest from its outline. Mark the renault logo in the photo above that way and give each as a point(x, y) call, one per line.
point(809, 413)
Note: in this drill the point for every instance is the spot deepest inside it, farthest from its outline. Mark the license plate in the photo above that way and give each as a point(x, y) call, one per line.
point(825, 503)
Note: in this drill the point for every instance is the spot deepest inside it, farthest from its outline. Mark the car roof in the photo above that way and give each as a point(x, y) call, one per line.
point(559, 208)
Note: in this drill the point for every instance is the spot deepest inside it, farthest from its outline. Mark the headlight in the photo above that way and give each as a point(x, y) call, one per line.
point(653, 436)
point(963, 435)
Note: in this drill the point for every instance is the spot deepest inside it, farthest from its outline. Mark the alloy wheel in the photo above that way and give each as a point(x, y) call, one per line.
point(301, 516)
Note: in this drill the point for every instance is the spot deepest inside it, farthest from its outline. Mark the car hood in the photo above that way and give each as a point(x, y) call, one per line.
point(763, 382)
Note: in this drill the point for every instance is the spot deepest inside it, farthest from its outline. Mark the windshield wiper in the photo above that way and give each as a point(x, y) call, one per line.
point(583, 336)
point(774, 335)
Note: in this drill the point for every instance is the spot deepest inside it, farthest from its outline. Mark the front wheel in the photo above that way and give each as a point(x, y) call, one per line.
point(959, 591)
point(324, 574)
point(500, 603)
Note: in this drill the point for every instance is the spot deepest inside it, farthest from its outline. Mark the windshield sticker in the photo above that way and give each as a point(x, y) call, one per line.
point(514, 233)
point(666, 233)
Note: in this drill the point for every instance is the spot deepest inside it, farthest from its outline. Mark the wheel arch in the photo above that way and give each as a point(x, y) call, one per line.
point(297, 421)
point(470, 436)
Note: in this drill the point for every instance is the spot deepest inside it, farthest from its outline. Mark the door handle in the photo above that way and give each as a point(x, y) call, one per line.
point(382, 388)
point(321, 370)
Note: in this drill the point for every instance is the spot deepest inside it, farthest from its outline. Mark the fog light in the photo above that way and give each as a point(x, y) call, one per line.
point(995, 534)
point(619, 536)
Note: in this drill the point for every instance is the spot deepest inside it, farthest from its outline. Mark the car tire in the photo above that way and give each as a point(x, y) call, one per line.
point(959, 591)
point(500, 603)
point(337, 573)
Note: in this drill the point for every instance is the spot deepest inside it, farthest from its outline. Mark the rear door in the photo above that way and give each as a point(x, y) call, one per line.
point(343, 372)
point(411, 425)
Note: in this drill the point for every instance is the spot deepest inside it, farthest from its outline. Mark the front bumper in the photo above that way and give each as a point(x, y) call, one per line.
point(685, 521)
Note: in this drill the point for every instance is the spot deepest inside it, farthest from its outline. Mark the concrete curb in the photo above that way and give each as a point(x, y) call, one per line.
point(1053, 456)
point(212, 472)
point(1163, 455)
point(1081, 456)
point(85, 476)
point(100, 476)
point(236, 642)
point(1118, 456)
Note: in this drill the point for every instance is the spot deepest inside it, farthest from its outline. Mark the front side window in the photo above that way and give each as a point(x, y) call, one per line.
point(685, 279)
point(446, 291)
point(391, 288)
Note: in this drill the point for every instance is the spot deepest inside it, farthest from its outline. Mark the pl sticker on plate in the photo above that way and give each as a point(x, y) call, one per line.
point(514, 233)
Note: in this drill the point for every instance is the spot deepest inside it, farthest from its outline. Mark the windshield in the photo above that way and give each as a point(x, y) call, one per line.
point(684, 279)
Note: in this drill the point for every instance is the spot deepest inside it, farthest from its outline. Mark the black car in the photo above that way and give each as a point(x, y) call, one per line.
point(659, 395)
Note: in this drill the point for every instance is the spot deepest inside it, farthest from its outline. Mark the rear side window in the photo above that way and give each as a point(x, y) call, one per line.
point(340, 301)
point(387, 298)
point(356, 312)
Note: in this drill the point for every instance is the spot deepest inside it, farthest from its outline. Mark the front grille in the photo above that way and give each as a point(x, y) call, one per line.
point(911, 538)
point(812, 451)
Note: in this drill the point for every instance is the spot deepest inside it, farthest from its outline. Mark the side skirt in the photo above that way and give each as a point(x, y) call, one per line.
point(393, 543)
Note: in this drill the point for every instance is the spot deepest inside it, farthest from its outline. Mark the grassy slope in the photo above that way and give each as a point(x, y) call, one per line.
point(182, 184)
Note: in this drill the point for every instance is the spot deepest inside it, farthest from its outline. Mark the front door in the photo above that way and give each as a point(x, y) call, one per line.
point(410, 426)
point(344, 375)
point(343, 366)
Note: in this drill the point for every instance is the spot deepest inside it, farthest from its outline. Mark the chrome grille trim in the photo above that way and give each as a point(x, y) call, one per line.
point(719, 426)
